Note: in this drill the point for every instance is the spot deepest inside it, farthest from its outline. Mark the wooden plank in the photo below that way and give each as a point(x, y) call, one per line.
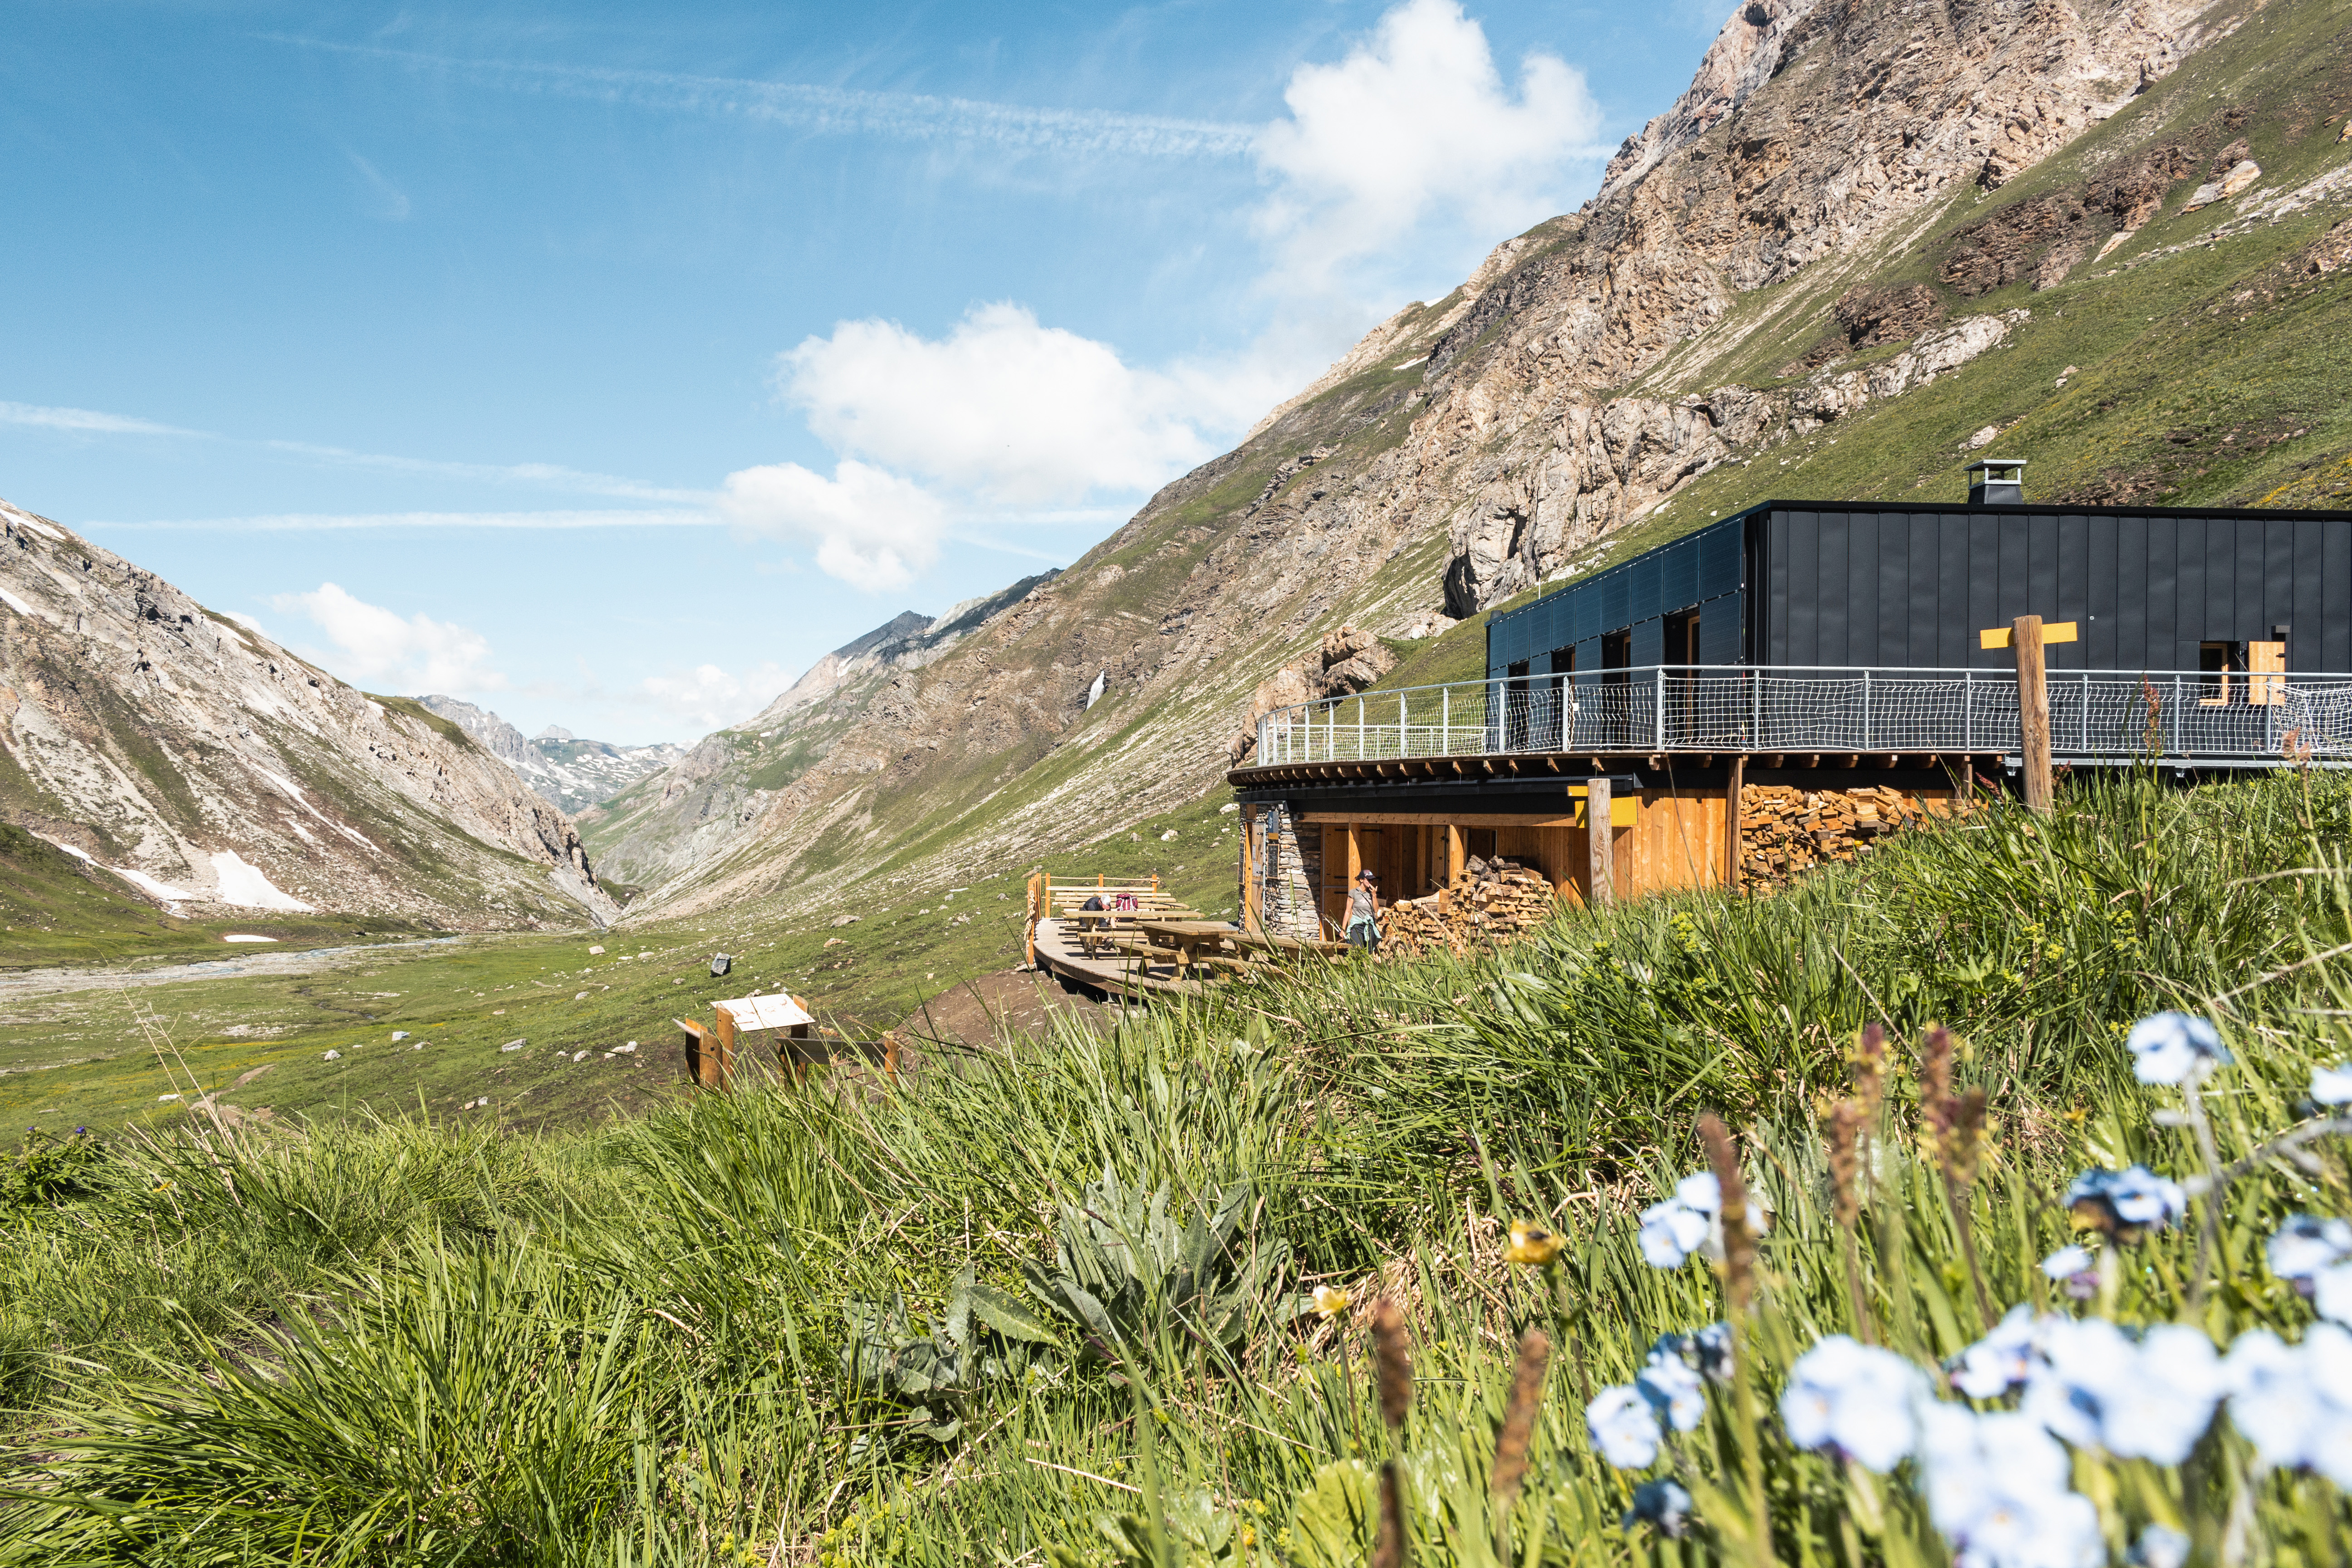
point(2004, 637)
point(725, 1074)
point(1251, 917)
point(701, 1053)
point(1599, 833)
point(1731, 846)
point(1433, 819)
point(2266, 674)
point(2033, 710)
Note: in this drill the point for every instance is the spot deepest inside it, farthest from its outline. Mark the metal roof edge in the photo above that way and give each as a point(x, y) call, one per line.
point(2047, 508)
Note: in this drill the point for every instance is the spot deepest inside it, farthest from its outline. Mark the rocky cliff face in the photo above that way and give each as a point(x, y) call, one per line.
point(1909, 226)
point(561, 768)
point(490, 731)
point(208, 765)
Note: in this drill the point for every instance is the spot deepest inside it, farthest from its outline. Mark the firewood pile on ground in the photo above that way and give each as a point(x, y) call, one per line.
point(1491, 902)
point(1785, 832)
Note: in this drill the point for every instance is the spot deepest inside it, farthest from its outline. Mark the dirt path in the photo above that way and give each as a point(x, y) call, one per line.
point(976, 1012)
point(22, 984)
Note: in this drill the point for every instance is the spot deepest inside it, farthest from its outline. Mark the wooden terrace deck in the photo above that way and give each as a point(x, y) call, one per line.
point(1112, 973)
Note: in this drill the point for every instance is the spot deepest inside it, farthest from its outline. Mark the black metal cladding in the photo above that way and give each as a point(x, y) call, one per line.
point(1817, 583)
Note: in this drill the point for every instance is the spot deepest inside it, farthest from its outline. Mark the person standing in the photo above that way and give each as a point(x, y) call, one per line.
point(1364, 911)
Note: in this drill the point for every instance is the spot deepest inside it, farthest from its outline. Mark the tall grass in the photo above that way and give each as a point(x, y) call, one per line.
point(404, 1343)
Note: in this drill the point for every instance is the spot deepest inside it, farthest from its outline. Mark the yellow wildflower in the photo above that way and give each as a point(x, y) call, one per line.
point(1531, 1244)
point(1331, 1301)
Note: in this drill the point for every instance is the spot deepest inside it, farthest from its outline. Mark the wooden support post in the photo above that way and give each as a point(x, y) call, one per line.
point(1600, 846)
point(1254, 853)
point(890, 1054)
point(2032, 709)
point(1037, 911)
point(726, 1031)
point(1733, 869)
point(702, 1054)
point(792, 1045)
point(1457, 850)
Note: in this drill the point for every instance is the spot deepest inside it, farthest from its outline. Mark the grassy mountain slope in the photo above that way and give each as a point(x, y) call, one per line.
point(207, 766)
point(56, 909)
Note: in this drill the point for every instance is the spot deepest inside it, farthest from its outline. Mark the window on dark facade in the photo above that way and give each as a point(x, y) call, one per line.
point(2218, 661)
point(1617, 651)
point(1515, 707)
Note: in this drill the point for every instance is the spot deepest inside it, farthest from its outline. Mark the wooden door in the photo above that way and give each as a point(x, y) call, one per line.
point(2266, 674)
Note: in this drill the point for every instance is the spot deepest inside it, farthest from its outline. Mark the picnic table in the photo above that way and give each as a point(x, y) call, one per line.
point(1290, 946)
point(1188, 937)
point(1096, 925)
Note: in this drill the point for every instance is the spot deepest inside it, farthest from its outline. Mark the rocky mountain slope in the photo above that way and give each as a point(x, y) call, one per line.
point(205, 764)
point(1871, 236)
point(720, 790)
point(561, 768)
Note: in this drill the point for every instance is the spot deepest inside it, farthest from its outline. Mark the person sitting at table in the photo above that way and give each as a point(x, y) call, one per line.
point(1087, 927)
point(1364, 911)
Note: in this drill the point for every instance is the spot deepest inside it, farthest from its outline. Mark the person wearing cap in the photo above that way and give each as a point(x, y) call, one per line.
point(1364, 911)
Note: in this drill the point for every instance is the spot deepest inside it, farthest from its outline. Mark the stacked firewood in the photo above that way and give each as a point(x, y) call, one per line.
point(1492, 901)
point(1785, 832)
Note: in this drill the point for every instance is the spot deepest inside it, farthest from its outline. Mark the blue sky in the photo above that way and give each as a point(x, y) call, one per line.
point(607, 365)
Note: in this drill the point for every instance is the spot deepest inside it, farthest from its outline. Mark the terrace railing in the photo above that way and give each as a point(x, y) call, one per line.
point(2095, 716)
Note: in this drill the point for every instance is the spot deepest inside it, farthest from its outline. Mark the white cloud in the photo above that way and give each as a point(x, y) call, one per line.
point(1000, 408)
point(88, 421)
point(872, 530)
point(710, 697)
point(1417, 127)
point(250, 623)
point(375, 649)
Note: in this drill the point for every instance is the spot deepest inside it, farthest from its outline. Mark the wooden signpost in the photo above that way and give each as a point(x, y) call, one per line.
point(2026, 635)
point(1600, 867)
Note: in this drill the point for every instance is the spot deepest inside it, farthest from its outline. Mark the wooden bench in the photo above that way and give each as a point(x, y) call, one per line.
point(1288, 946)
point(1050, 899)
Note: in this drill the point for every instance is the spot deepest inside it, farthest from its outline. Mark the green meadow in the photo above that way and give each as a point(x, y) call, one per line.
point(106, 1053)
point(1052, 1299)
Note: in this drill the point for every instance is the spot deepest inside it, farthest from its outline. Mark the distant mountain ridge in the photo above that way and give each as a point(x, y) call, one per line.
point(203, 763)
point(561, 768)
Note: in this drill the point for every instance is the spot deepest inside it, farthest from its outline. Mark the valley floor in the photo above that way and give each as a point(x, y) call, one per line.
point(141, 1043)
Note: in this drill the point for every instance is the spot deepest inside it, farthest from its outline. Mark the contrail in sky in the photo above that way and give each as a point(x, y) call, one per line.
point(911, 116)
point(87, 420)
point(328, 523)
point(545, 476)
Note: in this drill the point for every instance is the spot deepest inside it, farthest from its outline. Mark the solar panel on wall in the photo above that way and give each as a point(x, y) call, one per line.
point(1678, 576)
point(1720, 558)
point(1719, 630)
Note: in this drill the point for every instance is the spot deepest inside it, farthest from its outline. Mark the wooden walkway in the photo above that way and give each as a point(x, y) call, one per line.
point(1112, 973)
